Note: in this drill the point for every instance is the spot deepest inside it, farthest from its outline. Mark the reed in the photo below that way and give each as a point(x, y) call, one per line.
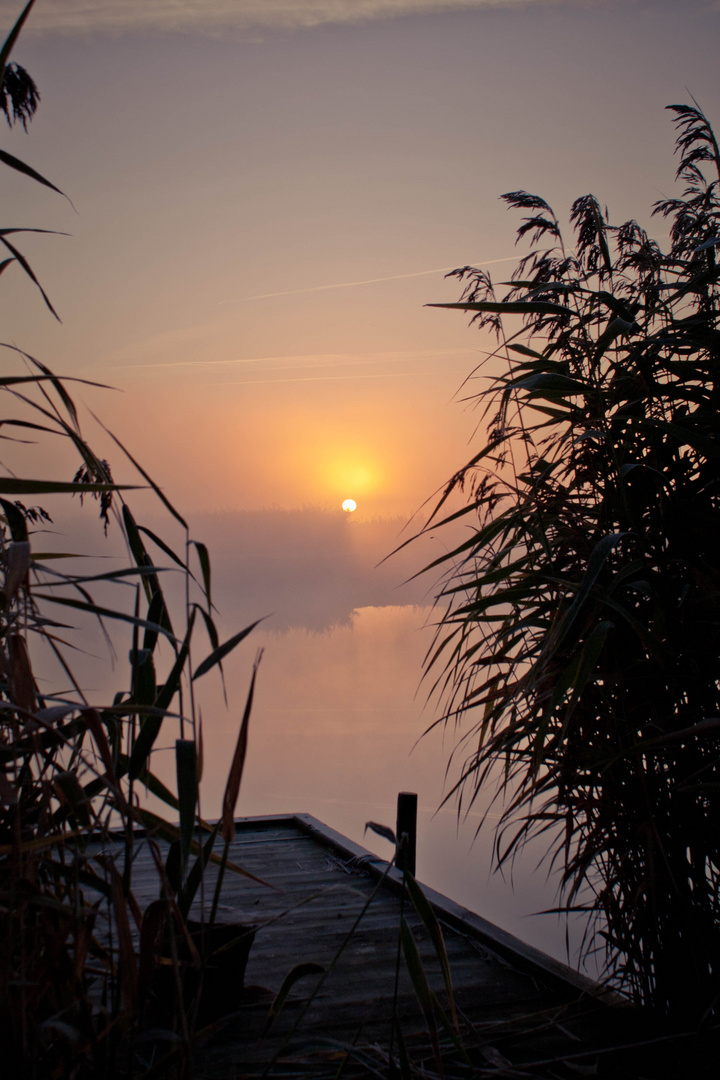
point(578, 640)
point(78, 955)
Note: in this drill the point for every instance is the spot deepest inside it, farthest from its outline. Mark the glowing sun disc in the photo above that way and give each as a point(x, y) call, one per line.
point(349, 505)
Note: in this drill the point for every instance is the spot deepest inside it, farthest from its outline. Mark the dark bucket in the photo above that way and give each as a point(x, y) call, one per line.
point(224, 949)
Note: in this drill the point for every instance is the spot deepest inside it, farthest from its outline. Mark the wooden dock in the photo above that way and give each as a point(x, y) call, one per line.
point(329, 902)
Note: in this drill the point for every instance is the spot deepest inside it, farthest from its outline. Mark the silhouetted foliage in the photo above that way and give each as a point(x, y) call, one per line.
point(580, 636)
point(77, 989)
point(19, 96)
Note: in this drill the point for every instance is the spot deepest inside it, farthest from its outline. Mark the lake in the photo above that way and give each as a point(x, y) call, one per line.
point(340, 706)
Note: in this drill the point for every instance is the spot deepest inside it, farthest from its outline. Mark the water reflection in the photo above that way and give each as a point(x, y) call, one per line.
point(335, 733)
point(340, 707)
point(312, 568)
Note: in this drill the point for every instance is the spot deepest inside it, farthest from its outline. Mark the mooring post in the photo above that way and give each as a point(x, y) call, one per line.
point(406, 831)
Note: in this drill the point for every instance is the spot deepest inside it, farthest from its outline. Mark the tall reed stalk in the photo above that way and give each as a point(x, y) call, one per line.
point(578, 644)
point(77, 953)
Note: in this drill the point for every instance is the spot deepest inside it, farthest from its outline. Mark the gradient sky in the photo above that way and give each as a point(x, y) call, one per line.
point(265, 194)
point(236, 165)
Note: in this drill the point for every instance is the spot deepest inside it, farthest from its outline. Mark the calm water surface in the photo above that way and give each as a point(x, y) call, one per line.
point(340, 709)
point(336, 733)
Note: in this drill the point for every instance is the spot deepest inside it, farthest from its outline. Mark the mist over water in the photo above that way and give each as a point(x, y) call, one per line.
point(337, 731)
point(341, 704)
point(312, 568)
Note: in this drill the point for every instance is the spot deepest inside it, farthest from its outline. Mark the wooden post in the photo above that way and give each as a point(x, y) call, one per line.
point(406, 831)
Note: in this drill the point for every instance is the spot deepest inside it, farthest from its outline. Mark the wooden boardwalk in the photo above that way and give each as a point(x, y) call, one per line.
point(332, 903)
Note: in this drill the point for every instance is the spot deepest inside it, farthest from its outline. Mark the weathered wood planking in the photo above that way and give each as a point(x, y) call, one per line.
point(318, 884)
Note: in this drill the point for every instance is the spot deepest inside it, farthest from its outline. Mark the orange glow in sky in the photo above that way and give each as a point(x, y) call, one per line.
point(340, 471)
point(249, 264)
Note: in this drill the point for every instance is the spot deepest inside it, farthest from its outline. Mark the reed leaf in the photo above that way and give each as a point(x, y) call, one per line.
point(232, 788)
point(219, 654)
point(517, 307)
point(161, 496)
point(165, 548)
point(381, 830)
point(204, 559)
point(8, 159)
point(300, 971)
point(9, 43)
point(421, 987)
point(20, 166)
point(579, 623)
point(88, 607)
point(13, 485)
point(431, 924)
point(69, 769)
point(187, 787)
point(188, 890)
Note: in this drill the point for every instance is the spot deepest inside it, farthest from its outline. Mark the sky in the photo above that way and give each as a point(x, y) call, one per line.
point(265, 195)
point(237, 167)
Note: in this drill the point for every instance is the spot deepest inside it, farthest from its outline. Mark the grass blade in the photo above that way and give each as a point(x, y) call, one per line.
point(421, 988)
point(425, 911)
point(187, 787)
point(12, 37)
point(232, 788)
point(13, 485)
point(222, 651)
point(300, 971)
point(18, 255)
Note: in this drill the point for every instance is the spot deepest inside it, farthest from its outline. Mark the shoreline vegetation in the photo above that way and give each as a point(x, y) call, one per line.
point(78, 956)
point(94, 983)
point(579, 623)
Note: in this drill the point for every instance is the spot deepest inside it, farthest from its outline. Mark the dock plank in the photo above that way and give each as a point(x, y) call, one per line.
point(318, 886)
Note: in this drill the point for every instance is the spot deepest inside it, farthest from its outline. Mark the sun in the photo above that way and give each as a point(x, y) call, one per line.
point(349, 505)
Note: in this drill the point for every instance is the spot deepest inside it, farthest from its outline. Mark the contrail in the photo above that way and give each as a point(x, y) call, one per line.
point(319, 378)
point(305, 361)
point(367, 281)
